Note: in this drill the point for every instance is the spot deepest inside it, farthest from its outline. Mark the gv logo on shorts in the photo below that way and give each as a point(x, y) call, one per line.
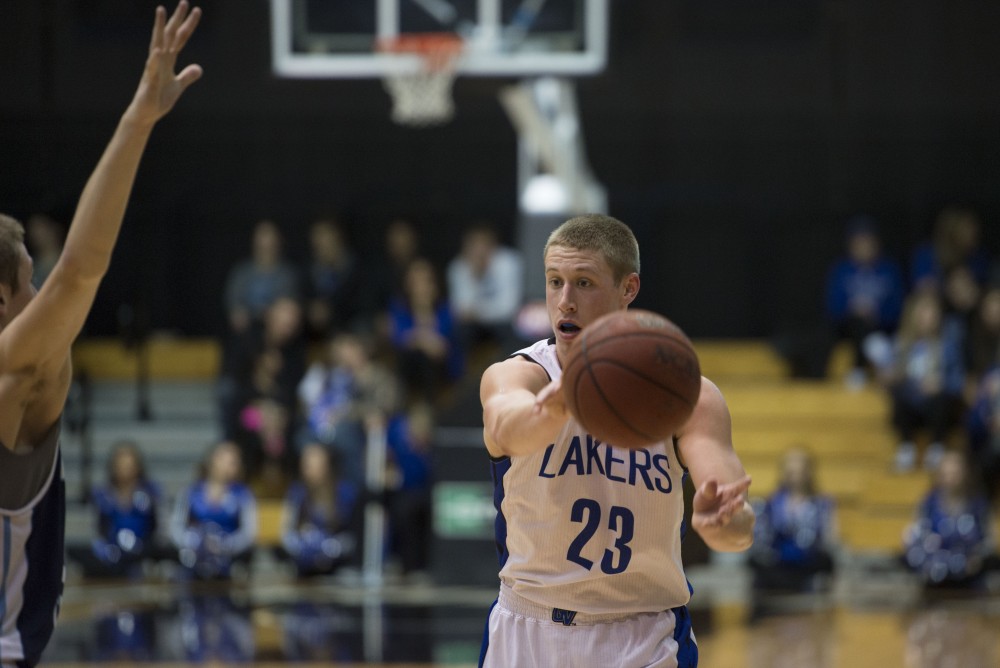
point(564, 617)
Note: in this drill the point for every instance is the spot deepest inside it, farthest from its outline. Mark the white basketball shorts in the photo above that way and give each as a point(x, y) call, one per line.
point(520, 634)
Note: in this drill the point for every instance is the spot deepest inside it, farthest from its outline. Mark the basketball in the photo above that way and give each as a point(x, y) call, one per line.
point(632, 378)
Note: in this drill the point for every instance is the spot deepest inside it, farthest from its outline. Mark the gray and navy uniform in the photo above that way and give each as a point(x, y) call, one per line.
point(588, 537)
point(32, 524)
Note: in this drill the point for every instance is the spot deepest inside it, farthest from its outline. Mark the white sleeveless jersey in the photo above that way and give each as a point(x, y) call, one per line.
point(587, 527)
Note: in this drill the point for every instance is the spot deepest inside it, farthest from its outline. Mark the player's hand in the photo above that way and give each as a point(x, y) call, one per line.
point(159, 88)
point(551, 401)
point(715, 505)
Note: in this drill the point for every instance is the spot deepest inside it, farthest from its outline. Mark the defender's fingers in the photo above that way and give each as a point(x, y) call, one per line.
point(187, 29)
point(156, 39)
point(189, 75)
point(176, 19)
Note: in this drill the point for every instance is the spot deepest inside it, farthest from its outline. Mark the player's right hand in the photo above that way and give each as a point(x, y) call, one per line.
point(551, 401)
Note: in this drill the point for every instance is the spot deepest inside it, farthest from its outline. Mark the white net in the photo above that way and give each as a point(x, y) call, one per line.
point(422, 97)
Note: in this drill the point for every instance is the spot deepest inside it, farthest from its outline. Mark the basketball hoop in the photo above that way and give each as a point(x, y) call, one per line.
point(422, 97)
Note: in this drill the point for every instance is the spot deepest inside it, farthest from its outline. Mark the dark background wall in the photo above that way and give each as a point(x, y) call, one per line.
point(734, 136)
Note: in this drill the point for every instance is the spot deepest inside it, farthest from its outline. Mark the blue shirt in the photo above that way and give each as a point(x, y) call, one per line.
point(138, 516)
point(414, 462)
point(793, 532)
point(879, 284)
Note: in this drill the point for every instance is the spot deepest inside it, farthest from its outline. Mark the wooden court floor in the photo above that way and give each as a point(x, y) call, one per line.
point(428, 626)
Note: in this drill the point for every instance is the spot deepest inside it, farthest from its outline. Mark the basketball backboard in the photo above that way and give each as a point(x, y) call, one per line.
point(503, 38)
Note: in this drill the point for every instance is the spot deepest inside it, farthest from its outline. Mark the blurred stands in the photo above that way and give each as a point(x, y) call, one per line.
point(848, 431)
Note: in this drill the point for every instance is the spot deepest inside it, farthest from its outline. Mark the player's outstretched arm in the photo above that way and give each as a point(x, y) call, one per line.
point(45, 330)
point(721, 513)
point(522, 411)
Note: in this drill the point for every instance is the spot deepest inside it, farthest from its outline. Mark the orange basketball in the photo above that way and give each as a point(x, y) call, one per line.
point(632, 378)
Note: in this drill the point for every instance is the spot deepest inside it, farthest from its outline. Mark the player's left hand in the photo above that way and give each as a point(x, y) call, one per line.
point(715, 505)
point(159, 89)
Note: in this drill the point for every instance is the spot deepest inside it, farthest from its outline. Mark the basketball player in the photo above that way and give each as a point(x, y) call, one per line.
point(36, 332)
point(589, 535)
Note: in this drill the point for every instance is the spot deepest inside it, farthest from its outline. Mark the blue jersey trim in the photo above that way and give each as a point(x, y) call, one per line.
point(499, 469)
point(687, 648)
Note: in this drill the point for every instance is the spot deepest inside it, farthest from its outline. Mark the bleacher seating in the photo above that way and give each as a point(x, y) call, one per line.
point(848, 433)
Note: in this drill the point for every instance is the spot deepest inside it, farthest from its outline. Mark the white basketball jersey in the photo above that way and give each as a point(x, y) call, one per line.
point(589, 527)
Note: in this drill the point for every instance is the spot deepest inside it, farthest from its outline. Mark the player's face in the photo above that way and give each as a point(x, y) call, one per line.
point(580, 288)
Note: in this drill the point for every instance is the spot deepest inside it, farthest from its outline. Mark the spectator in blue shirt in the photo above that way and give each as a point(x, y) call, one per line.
point(318, 523)
point(864, 291)
point(409, 438)
point(214, 523)
point(795, 530)
point(424, 333)
point(126, 509)
point(950, 542)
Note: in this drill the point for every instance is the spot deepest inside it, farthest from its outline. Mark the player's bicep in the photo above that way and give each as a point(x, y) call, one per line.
point(705, 443)
point(41, 335)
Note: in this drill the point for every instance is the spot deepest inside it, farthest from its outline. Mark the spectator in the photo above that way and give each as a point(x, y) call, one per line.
point(266, 360)
point(925, 377)
point(214, 523)
point(340, 395)
point(265, 437)
point(401, 247)
point(957, 242)
point(423, 334)
point(950, 541)
point(960, 299)
point(44, 237)
point(864, 292)
point(983, 345)
point(983, 423)
point(409, 438)
point(126, 519)
point(254, 284)
point(319, 520)
point(333, 285)
point(485, 286)
point(795, 531)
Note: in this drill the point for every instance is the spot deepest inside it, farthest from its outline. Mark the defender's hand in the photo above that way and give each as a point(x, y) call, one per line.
point(159, 89)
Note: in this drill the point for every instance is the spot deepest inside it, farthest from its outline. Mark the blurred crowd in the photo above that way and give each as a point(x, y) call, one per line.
point(329, 351)
point(320, 355)
point(930, 336)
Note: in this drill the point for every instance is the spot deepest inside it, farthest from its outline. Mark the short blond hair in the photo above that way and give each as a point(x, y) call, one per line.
point(11, 240)
point(595, 232)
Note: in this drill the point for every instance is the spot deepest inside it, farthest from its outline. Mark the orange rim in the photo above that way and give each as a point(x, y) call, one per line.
point(438, 49)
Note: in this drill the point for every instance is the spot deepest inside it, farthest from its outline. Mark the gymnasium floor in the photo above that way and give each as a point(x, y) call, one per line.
point(881, 622)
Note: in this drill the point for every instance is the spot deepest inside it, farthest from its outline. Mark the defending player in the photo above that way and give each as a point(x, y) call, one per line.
point(36, 333)
point(589, 535)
